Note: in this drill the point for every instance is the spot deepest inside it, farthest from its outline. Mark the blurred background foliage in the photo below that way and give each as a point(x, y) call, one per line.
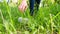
point(46, 20)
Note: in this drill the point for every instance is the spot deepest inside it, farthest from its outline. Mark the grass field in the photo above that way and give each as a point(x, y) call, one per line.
point(45, 21)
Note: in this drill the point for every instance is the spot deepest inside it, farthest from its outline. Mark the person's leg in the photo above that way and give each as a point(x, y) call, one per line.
point(32, 7)
point(37, 4)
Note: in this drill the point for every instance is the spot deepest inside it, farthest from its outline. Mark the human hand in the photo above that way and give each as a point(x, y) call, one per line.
point(23, 6)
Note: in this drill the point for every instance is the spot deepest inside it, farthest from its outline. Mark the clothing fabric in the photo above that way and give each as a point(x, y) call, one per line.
point(32, 2)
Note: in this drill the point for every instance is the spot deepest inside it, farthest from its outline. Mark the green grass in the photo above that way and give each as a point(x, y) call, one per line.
point(45, 21)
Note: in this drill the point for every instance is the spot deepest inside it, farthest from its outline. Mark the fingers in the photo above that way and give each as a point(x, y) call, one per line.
point(23, 6)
